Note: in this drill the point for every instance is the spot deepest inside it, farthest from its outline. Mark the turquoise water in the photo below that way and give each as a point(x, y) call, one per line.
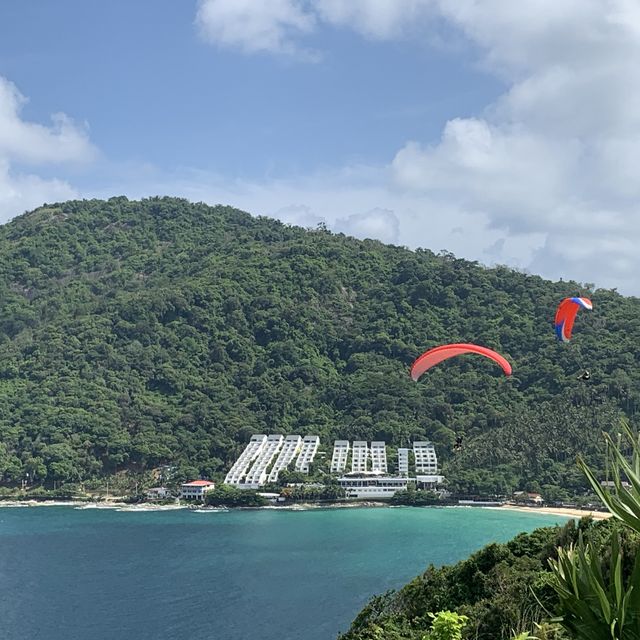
point(68, 574)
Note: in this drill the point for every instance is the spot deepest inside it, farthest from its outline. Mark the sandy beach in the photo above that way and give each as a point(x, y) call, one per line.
point(557, 511)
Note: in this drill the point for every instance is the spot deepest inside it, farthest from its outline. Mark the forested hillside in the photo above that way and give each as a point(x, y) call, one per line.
point(135, 334)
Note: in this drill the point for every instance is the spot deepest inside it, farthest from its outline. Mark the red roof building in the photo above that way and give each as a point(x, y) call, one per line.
point(196, 489)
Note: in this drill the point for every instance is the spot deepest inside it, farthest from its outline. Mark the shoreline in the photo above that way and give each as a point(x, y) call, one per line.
point(115, 505)
point(298, 506)
point(88, 504)
point(555, 511)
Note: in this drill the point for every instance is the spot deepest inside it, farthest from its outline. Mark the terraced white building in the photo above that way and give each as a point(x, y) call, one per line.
point(308, 451)
point(425, 457)
point(359, 456)
point(403, 462)
point(240, 467)
point(340, 456)
point(290, 449)
point(265, 457)
point(379, 457)
point(257, 476)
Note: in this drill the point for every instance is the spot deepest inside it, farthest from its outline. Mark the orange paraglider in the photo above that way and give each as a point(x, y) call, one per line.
point(436, 355)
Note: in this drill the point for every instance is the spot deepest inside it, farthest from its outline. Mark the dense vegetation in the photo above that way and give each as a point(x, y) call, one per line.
point(140, 334)
point(504, 589)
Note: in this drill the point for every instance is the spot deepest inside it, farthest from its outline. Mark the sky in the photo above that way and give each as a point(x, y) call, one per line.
point(505, 132)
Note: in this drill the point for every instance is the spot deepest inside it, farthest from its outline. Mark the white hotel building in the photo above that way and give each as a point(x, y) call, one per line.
point(359, 457)
point(403, 462)
point(290, 448)
point(241, 466)
point(363, 483)
point(424, 454)
point(340, 455)
point(257, 475)
point(369, 484)
point(308, 452)
point(379, 457)
point(265, 457)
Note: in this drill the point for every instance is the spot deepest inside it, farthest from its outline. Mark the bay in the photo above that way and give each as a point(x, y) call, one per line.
point(70, 574)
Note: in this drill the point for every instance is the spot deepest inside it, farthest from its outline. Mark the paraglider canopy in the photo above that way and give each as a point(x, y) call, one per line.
point(436, 355)
point(566, 316)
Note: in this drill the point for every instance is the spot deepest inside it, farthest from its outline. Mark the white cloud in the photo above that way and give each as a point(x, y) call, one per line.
point(557, 153)
point(379, 224)
point(22, 192)
point(299, 215)
point(278, 26)
point(378, 19)
point(33, 143)
point(251, 26)
point(29, 143)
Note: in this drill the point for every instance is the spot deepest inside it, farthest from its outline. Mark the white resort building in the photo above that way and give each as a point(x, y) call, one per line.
point(196, 489)
point(158, 493)
point(359, 456)
point(257, 476)
point(310, 446)
point(429, 482)
point(288, 452)
point(255, 466)
point(265, 457)
point(340, 456)
point(403, 462)
point(240, 467)
point(371, 485)
point(424, 454)
point(379, 457)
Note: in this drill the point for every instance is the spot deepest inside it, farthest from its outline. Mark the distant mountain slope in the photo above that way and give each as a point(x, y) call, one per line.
point(134, 334)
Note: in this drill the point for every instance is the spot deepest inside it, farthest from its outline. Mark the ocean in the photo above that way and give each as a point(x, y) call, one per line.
point(83, 574)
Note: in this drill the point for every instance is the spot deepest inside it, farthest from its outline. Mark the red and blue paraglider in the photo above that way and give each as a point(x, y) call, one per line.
point(566, 316)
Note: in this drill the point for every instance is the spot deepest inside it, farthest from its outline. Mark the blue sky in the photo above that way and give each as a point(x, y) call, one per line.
point(152, 91)
point(491, 131)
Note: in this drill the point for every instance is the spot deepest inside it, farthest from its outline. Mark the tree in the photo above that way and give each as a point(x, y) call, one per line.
point(446, 625)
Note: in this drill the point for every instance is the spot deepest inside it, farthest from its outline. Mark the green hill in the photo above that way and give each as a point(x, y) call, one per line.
point(135, 334)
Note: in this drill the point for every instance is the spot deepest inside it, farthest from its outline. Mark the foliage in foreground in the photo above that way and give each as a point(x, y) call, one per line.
point(446, 625)
point(599, 600)
point(503, 589)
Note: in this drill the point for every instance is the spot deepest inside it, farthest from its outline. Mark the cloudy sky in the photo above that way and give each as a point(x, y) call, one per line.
point(506, 132)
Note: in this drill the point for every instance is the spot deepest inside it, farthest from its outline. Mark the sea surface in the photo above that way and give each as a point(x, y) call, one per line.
point(71, 574)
